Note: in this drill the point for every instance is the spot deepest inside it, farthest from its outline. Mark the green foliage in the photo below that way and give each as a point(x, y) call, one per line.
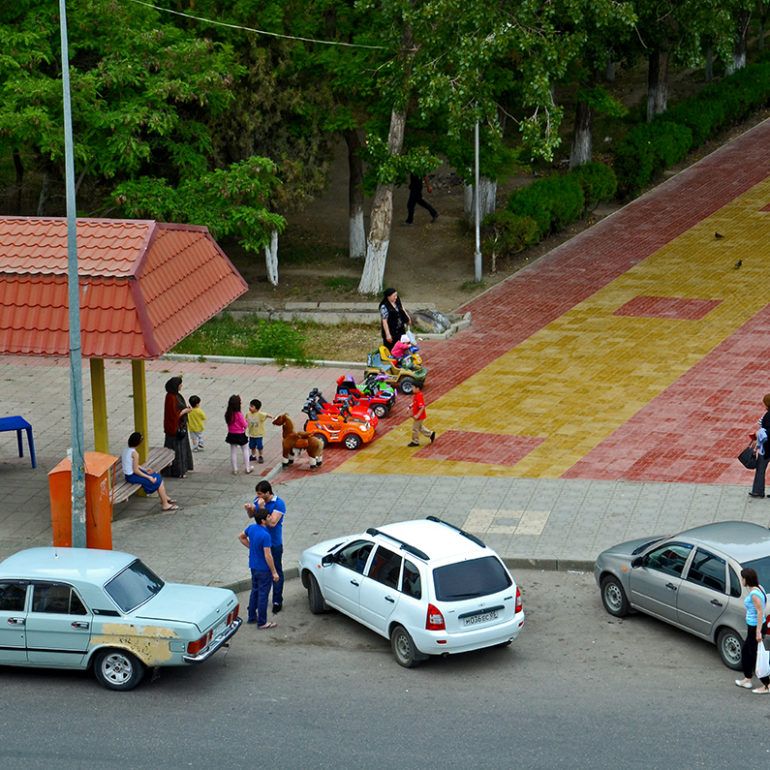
point(506, 234)
point(552, 203)
point(341, 283)
point(249, 336)
point(646, 150)
point(230, 201)
point(598, 181)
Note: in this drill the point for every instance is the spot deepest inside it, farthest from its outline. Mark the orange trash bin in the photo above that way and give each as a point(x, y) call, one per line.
point(100, 479)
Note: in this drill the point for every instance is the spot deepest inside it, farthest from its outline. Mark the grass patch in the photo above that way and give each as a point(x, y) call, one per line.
point(296, 342)
point(342, 283)
point(473, 285)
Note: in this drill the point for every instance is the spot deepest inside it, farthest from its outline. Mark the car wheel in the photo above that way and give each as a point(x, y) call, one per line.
point(321, 438)
point(118, 669)
point(406, 386)
point(404, 651)
point(614, 597)
point(730, 644)
point(352, 441)
point(380, 411)
point(314, 597)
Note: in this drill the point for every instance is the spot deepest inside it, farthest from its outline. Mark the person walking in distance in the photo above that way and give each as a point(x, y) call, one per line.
point(257, 539)
point(275, 508)
point(419, 414)
point(416, 199)
point(760, 451)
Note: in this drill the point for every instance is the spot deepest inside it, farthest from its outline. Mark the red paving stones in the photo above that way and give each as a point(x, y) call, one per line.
point(668, 307)
point(694, 429)
point(474, 447)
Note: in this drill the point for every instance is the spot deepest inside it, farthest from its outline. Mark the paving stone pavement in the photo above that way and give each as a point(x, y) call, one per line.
point(593, 390)
point(547, 523)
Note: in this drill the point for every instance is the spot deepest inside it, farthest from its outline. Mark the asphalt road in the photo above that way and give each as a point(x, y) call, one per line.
point(577, 689)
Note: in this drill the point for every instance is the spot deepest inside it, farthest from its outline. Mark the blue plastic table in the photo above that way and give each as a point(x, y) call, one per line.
point(19, 424)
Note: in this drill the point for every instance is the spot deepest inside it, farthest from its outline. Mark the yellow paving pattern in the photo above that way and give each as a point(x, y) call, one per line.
point(584, 375)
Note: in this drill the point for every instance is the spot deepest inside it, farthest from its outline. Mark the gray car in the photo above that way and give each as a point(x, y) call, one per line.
point(690, 580)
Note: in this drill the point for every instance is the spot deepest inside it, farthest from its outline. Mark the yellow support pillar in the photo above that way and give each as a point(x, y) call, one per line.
point(140, 406)
point(99, 401)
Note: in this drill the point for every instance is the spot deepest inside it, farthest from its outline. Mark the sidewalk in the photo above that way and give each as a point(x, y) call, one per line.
point(593, 389)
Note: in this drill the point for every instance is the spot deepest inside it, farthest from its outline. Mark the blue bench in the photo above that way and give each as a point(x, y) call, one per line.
point(19, 424)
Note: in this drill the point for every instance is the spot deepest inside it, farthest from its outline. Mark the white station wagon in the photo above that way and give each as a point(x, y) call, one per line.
point(85, 608)
point(428, 586)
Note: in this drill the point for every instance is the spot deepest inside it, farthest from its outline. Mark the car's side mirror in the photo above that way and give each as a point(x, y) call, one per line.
point(328, 560)
point(637, 562)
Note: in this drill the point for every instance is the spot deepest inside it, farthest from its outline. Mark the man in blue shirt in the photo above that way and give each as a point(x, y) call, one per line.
point(257, 539)
point(266, 500)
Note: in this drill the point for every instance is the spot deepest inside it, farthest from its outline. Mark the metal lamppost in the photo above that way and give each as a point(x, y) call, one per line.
point(76, 371)
point(477, 254)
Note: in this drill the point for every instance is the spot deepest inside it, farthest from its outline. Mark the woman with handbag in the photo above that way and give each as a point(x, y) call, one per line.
point(175, 411)
point(755, 603)
point(236, 434)
point(760, 451)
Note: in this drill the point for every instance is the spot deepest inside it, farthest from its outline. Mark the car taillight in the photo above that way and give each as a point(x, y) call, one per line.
point(193, 648)
point(233, 614)
point(519, 605)
point(434, 620)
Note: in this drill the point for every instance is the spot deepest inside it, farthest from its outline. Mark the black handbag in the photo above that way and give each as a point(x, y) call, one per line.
point(747, 458)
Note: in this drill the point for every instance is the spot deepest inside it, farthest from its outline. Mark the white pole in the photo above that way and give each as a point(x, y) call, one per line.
point(477, 255)
point(76, 371)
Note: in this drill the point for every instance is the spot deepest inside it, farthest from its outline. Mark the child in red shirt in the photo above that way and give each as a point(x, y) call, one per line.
point(418, 418)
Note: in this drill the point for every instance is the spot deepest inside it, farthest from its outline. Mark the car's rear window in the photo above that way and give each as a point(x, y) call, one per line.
point(762, 566)
point(470, 579)
point(134, 586)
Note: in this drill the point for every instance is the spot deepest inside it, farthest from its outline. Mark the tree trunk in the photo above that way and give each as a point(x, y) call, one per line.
point(381, 217)
point(582, 149)
point(19, 167)
point(357, 232)
point(43, 197)
point(271, 259)
point(761, 34)
point(709, 64)
point(657, 83)
point(609, 72)
point(487, 201)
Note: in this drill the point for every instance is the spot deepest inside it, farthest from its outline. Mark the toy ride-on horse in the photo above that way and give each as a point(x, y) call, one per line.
point(299, 440)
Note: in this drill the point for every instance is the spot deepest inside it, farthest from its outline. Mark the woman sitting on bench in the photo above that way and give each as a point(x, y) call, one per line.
point(146, 477)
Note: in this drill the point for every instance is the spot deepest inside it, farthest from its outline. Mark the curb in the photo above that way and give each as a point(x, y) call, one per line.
point(547, 565)
point(196, 358)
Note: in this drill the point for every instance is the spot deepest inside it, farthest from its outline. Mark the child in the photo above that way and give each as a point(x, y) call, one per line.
point(195, 419)
point(136, 474)
point(256, 432)
point(236, 434)
point(418, 418)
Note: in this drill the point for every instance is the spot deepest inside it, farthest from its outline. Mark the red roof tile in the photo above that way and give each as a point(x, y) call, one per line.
point(143, 285)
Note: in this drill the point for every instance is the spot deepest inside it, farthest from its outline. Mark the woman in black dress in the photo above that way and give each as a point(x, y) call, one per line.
point(393, 318)
point(175, 412)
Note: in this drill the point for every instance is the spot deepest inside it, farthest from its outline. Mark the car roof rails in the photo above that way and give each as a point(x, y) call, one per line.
point(404, 545)
point(471, 537)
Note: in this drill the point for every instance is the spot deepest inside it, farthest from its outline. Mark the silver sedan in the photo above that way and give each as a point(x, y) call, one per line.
point(690, 580)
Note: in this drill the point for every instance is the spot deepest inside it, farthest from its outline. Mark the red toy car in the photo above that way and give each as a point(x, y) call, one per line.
point(380, 401)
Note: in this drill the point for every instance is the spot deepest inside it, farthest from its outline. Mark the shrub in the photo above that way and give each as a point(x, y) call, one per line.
point(508, 233)
point(598, 181)
point(552, 203)
point(276, 339)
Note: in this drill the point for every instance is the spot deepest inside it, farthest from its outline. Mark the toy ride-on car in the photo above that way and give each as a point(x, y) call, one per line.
point(379, 401)
point(380, 362)
point(340, 428)
point(356, 410)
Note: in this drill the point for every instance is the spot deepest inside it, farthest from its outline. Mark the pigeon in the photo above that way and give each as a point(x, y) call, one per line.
point(738, 264)
point(718, 236)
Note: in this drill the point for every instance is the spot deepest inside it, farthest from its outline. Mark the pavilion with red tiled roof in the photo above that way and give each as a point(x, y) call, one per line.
point(144, 286)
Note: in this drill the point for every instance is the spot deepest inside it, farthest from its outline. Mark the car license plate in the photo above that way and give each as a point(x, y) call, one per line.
point(485, 617)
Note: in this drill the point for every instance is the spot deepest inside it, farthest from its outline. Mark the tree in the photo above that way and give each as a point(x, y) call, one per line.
point(142, 91)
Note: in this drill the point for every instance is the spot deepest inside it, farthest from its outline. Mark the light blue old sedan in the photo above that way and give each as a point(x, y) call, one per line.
point(86, 608)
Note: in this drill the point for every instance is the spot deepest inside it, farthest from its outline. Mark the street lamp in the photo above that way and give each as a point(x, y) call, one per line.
point(73, 286)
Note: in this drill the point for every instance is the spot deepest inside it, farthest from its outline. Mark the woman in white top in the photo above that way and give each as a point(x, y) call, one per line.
point(149, 480)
